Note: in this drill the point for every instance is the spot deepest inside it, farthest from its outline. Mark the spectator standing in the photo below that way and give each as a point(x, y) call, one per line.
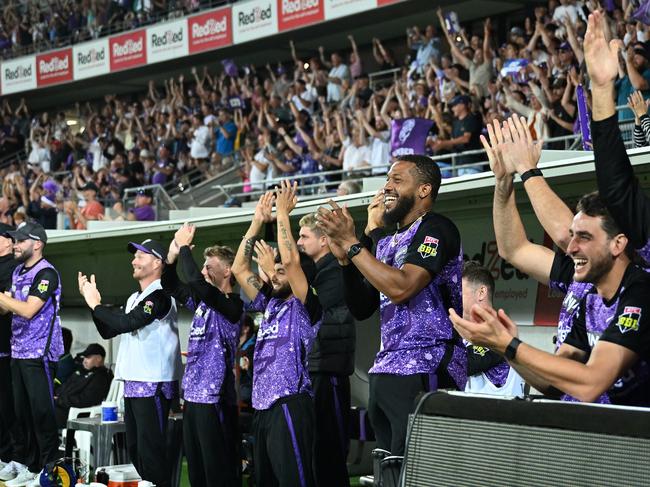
point(636, 77)
point(338, 75)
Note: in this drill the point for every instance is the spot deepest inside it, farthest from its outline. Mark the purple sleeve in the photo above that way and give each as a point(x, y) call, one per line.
point(259, 303)
point(144, 213)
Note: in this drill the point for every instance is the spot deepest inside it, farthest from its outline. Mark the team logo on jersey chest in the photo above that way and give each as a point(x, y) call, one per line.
point(429, 247)
point(629, 319)
point(43, 286)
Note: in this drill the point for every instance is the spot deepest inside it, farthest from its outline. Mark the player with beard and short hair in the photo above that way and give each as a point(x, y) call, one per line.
point(283, 421)
point(413, 278)
point(36, 345)
point(148, 360)
point(511, 149)
point(598, 253)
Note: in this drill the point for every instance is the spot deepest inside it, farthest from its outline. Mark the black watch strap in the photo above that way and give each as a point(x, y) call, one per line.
point(531, 173)
point(354, 250)
point(511, 349)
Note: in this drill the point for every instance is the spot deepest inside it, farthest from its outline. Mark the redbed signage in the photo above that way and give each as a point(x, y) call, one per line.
point(254, 20)
point(341, 8)
point(167, 41)
point(128, 50)
point(54, 67)
point(298, 13)
point(91, 59)
point(211, 30)
point(381, 3)
point(18, 75)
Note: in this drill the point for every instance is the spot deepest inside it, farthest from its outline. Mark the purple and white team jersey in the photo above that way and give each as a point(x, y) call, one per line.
point(415, 334)
point(210, 354)
point(595, 314)
point(284, 340)
point(135, 389)
point(30, 337)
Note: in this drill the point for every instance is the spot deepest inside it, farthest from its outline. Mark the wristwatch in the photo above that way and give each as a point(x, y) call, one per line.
point(511, 349)
point(354, 250)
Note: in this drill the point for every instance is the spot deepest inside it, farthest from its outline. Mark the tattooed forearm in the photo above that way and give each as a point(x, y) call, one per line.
point(255, 281)
point(248, 248)
point(286, 241)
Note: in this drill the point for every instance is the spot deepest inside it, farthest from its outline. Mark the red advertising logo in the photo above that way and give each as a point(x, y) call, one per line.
point(128, 50)
point(210, 30)
point(381, 3)
point(298, 13)
point(54, 67)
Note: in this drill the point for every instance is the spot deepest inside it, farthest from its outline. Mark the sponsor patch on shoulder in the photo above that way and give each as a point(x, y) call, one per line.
point(43, 286)
point(629, 319)
point(148, 307)
point(429, 247)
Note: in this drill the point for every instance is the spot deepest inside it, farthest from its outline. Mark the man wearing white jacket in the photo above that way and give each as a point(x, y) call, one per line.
point(148, 360)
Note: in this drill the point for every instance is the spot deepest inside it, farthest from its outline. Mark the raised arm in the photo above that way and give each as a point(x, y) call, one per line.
point(554, 215)
point(285, 202)
point(509, 231)
point(241, 267)
point(617, 184)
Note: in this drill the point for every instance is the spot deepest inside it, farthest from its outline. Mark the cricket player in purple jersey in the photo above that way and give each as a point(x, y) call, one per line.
point(283, 422)
point(414, 277)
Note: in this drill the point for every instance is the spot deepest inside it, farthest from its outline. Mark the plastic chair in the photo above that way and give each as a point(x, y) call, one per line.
point(82, 438)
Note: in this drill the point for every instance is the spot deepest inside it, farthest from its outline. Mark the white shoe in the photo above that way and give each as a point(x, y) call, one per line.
point(11, 470)
point(23, 479)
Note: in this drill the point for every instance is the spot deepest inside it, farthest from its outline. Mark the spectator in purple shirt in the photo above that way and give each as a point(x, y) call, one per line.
point(143, 210)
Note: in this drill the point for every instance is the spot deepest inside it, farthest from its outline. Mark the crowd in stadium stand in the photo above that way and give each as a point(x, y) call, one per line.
point(321, 113)
point(40, 25)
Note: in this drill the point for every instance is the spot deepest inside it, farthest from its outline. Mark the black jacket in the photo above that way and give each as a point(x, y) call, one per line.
point(7, 266)
point(333, 350)
point(85, 388)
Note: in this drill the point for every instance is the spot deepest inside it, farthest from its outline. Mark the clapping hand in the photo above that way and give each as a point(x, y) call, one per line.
point(285, 197)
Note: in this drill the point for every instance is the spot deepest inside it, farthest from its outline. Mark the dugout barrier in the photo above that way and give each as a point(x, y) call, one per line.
point(465, 440)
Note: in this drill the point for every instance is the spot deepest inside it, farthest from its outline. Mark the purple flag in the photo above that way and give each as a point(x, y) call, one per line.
point(451, 22)
point(515, 68)
point(583, 116)
point(409, 136)
point(230, 68)
point(642, 14)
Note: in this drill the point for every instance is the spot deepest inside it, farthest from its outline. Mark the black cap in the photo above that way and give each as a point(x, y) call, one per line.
point(30, 230)
point(5, 229)
point(90, 185)
point(460, 99)
point(94, 349)
point(149, 246)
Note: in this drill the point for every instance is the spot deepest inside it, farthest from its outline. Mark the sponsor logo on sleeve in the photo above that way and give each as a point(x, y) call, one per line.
point(429, 247)
point(148, 307)
point(43, 286)
point(629, 319)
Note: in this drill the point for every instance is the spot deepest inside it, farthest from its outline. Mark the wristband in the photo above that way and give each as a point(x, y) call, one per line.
point(531, 173)
point(511, 349)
